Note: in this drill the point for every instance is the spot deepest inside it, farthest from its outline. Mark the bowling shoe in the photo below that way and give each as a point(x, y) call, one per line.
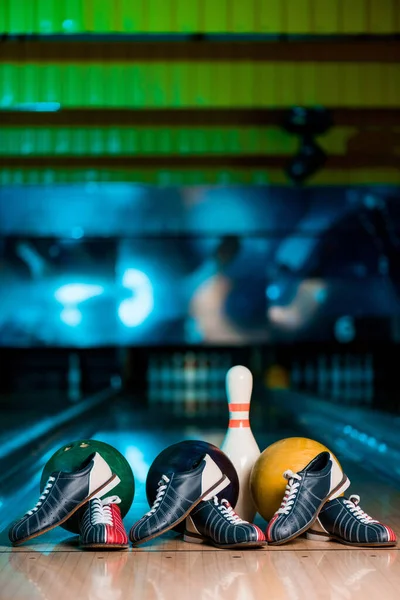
point(101, 525)
point(343, 520)
point(63, 495)
point(306, 493)
point(177, 495)
point(216, 522)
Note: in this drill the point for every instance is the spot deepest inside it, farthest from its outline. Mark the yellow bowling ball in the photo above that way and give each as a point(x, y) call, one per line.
point(267, 483)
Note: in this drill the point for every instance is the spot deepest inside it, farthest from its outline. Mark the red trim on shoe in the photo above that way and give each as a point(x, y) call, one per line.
point(260, 534)
point(116, 533)
point(391, 534)
point(267, 533)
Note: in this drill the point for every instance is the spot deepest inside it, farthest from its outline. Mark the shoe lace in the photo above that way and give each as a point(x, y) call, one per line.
point(227, 511)
point(42, 498)
point(102, 513)
point(162, 486)
point(292, 487)
point(353, 504)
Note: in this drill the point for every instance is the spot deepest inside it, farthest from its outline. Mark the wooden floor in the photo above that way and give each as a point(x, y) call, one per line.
point(178, 571)
point(52, 567)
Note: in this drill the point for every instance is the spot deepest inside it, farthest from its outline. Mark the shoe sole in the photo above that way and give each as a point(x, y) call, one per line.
point(343, 485)
point(316, 536)
point(192, 538)
point(104, 547)
point(175, 523)
point(35, 535)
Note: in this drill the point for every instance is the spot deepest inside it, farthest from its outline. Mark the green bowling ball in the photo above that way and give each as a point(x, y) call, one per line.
point(72, 455)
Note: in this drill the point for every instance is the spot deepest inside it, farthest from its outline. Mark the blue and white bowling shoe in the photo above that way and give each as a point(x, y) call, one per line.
point(177, 494)
point(215, 522)
point(306, 493)
point(343, 520)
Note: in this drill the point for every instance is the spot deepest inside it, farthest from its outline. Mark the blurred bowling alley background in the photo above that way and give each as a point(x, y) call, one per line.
point(186, 186)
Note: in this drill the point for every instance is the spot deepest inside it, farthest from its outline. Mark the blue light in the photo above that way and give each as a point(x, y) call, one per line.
point(71, 316)
point(136, 459)
point(38, 106)
point(74, 293)
point(273, 292)
point(77, 233)
point(345, 329)
point(320, 295)
point(68, 25)
point(133, 311)
point(364, 438)
point(226, 209)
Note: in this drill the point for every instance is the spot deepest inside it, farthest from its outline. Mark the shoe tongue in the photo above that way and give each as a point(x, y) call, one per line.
point(317, 463)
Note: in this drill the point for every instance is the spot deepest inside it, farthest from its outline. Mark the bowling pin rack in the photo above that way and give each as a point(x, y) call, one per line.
point(346, 378)
point(188, 383)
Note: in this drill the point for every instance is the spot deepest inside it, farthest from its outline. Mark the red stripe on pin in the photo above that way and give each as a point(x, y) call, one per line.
point(239, 423)
point(239, 407)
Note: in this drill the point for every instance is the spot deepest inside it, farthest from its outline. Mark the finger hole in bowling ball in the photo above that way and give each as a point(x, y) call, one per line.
point(185, 456)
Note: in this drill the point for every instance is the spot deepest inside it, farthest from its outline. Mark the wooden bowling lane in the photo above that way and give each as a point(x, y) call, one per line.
point(296, 572)
point(52, 566)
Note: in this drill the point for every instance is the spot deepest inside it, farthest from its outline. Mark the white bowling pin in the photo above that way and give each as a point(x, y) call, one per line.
point(239, 443)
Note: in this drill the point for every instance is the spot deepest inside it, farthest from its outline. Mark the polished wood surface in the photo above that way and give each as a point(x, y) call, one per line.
point(53, 567)
point(294, 572)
